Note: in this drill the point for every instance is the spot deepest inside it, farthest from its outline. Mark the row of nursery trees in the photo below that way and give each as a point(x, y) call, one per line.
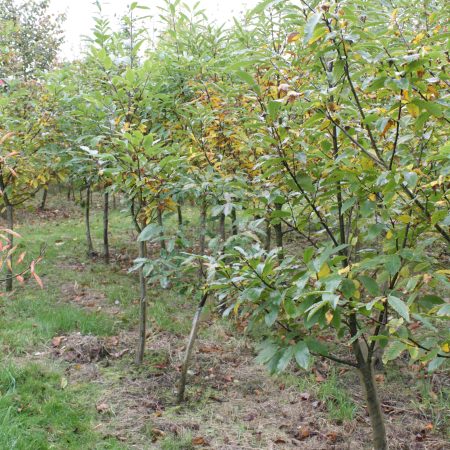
point(324, 123)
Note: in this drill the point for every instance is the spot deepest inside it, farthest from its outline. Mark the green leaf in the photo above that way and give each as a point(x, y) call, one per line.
point(393, 351)
point(400, 306)
point(370, 285)
point(302, 356)
point(308, 254)
point(285, 359)
point(271, 317)
point(392, 264)
point(310, 26)
point(435, 364)
point(149, 232)
point(267, 351)
point(273, 108)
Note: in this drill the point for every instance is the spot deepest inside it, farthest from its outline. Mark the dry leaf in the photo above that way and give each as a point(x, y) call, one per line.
point(294, 36)
point(102, 407)
point(199, 440)
point(305, 395)
point(56, 341)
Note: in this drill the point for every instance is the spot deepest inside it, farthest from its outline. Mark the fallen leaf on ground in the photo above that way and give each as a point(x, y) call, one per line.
point(102, 407)
point(305, 395)
point(64, 382)
point(199, 440)
point(56, 341)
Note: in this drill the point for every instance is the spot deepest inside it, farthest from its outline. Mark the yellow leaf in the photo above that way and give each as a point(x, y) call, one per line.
point(418, 38)
point(404, 218)
point(389, 235)
point(444, 271)
point(325, 124)
point(324, 271)
point(445, 347)
point(329, 316)
point(413, 109)
point(344, 271)
point(373, 197)
point(390, 123)
point(293, 37)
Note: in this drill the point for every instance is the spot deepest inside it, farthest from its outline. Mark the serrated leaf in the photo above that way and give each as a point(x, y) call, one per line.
point(302, 356)
point(399, 306)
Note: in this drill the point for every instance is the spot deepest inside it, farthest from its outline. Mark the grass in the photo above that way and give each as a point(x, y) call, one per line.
point(36, 413)
point(37, 410)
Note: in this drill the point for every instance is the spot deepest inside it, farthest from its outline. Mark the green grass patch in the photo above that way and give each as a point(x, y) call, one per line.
point(36, 413)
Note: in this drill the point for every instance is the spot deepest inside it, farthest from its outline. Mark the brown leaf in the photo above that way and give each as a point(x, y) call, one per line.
point(279, 441)
point(102, 407)
point(199, 440)
point(390, 123)
point(379, 378)
point(332, 436)
point(294, 36)
point(305, 395)
point(303, 433)
point(319, 377)
point(56, 341)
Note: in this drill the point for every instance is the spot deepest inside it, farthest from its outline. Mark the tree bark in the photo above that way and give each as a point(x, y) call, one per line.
point(279, 234)
point(142, 307)
point(44, 198)
point(189, 348)
point(374, 407)
point(10, 222)
point(88, 222)
point(161, 233)
point(234, 226)
point(222, 233)
point(365, 368)
point(106, 227)
point(180, 216)
point(268, 242)
point(202, 241)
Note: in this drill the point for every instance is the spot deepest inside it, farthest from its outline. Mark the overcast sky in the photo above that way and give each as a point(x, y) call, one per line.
point(80, 12)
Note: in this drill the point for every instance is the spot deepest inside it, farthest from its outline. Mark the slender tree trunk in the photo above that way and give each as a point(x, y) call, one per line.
point(106, 227)
point(44, 198)
point(222, 233)
point(81, 195)
point(365, 369)
point(234, 226)
point(268, 242)
point(10, 222)
point(88, 222)
point(114, 205)
point(142, 307)
point(69, 191)
point(161, 233)
point(374, 407)
point(189, 348)
point(202, 241)
point(180, 216)
point(279, 233)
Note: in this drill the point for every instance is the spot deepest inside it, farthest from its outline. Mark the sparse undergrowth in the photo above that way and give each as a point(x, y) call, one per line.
point(58, 390)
